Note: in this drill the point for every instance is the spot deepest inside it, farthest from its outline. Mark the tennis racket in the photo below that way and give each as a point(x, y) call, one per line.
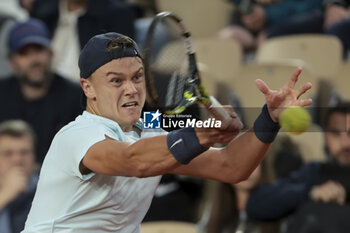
point(172, 78)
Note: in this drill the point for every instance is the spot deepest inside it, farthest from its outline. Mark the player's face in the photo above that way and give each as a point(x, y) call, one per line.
point(338, 137)
point(16, 152)
point(32, 64)
point(118, 91)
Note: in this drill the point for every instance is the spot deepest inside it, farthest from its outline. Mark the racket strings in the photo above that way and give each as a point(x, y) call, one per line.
point(171, 72)
point(170, 68)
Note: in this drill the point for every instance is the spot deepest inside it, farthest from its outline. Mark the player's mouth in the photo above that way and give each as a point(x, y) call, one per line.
point(131, 104)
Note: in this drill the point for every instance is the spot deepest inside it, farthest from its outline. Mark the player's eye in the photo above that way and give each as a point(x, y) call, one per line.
point(117, 81)
point(138, 77)
point(6, 153)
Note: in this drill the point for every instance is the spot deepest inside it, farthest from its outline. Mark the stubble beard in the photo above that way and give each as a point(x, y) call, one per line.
point(35, 82)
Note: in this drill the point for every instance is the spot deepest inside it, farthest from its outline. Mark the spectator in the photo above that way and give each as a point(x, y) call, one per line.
point(321, 189)
point(253, 17)
point(17, 177)
point(34, 93)
point(334, 19)
point(10, 12)
point(337, 21)
point(6, 22)
point(143, 8)
point(73, 22)
point(15, 8)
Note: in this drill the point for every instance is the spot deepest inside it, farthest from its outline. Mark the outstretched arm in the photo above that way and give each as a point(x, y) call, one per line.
point(239, 158)
point(150, 156)
point(154, 156)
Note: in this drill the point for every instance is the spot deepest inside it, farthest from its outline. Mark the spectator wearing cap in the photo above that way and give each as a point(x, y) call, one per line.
point(18, 179)
point(73, 22)
point(34, 93)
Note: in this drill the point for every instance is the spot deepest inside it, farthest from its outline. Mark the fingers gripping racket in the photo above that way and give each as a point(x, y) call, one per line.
point(172, 78)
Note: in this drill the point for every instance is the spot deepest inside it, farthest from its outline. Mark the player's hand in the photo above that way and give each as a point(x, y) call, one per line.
point(234, 124)
point(330, 191)
point(227, 132)
point(209, 137)
point(277, 100)
point(13, 183)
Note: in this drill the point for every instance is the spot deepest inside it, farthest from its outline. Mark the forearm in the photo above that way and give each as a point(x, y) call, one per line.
point(151, 156)
point(239, 158)
point(146, 157)
point(231, 164)
point(243, 155)
point(246, 152)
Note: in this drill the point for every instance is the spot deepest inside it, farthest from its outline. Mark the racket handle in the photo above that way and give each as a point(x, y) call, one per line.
point(218, 110)
point(220, 113)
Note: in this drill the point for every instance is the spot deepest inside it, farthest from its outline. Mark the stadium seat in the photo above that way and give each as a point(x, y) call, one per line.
point(321, 53)
point(223, 58)
point(341, 81)
point(168, 227)
point(196, 13)
point(218, 61)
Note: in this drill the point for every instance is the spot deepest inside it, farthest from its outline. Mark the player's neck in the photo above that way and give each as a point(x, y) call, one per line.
point(91, 108)
point(126, 128)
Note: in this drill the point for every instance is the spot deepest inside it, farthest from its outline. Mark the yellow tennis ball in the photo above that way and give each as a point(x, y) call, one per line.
point(295, 120)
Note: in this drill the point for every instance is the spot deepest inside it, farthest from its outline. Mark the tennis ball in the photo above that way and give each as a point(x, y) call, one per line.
point(295, 120)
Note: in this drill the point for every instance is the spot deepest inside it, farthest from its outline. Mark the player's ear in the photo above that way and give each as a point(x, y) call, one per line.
point(87, 87)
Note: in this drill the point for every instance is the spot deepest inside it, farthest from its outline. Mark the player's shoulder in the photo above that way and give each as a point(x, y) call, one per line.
point(81, 124)
point(88, 124)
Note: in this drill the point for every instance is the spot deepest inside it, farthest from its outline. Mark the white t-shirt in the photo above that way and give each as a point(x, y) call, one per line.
point(67, 201)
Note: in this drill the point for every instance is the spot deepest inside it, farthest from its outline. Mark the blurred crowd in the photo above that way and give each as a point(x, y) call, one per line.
point(40, 42)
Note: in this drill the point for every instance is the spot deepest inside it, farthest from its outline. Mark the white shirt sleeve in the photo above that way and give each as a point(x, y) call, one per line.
point(75, 143)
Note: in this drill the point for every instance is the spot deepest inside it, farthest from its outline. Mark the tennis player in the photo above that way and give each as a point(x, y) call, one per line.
point(101, 170)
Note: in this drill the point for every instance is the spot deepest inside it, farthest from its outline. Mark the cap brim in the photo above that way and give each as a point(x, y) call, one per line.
point(37, 40)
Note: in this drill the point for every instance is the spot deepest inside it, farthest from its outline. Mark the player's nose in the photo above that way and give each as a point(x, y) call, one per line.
point(130, 88)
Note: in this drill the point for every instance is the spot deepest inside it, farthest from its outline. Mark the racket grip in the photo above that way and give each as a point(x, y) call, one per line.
point(218, 110)
point(220, 113)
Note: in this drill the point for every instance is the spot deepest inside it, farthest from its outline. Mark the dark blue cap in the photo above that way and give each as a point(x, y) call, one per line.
point(32, 31)
point(95, 53)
